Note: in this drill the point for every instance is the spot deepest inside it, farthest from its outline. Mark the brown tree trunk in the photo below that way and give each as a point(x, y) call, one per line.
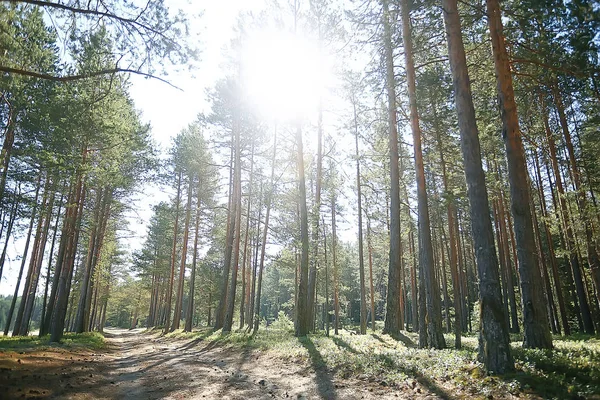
point(435, 337)
point(169, 295)
point(535, 318)
point(592, 255)
point(303, 313)
point(189, 315)
point(568, 234)
point(11, 220)
point(510, 286)
point(186, 234)
point(230, 235)
point(361, 261)
point(7, 145)
point(13, 302)
point(29, 304)
point(336, 283)
point(265, 236)
point(235, 256)
point(392, 315)
point(73, 221)
point(372, 289)
point(17, 330)
point(494, 342)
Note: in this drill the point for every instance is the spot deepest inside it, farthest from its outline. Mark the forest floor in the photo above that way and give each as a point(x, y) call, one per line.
point(137, 364)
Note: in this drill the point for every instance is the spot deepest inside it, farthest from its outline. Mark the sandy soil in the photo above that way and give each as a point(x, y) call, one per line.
point(138, 366)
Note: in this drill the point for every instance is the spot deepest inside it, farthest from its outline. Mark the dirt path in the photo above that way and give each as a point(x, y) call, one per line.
point(138, 366)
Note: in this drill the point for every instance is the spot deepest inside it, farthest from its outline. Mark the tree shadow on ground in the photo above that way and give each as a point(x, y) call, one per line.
point(409, 371)
point(408, 342)
point(323, 377)
point(423, 380)
point(343, 344)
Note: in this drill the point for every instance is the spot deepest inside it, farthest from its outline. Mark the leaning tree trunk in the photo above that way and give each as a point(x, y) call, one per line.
point(494, 342)
point(535, 317)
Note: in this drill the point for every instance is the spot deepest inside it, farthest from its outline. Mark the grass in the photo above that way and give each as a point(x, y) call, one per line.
point(571, 370)
point(89, 340)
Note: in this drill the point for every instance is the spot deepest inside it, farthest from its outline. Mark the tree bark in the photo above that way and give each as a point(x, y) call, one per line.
point(169, 295)
point(494, 342)
point(303, 313)
point(13, 302)
point(535, 318)
point(265, 235)
point(186, 235)
point(190, 306)
point(392, 315)
point(435, 337)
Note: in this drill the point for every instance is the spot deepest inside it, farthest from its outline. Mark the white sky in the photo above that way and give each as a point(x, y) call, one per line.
point(168, 109)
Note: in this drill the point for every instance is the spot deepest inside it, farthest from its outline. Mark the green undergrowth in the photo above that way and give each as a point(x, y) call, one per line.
point(88, 340)
point(571, 370)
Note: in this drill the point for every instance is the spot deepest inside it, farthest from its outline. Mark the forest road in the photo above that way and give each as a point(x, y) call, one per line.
point(136, 365)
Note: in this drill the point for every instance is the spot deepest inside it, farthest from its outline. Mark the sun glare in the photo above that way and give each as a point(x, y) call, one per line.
point(284, 74)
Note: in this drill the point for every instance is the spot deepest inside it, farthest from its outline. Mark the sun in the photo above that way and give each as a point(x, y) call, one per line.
point(284, 75)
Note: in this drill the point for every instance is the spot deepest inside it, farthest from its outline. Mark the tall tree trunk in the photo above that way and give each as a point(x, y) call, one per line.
point(550, 244)
point(372, 289)
point(535, 318)
point(568, 234)
point(312, 278)
point(49, 268)
point(11, 220)
point(435, 337)
point(87, 272)
point(494, 342)
point(592, 255)
point(336, 284)
point(186, 235)
point(7, 145)
point(230, 235)
point(361, 261)
point(303, 313)
point(190, 306)
point(169, 294)
point(37, 268)
point(13, 302)
point(510, 287)
point(246, 239)
point(392, 315)
point(72, 220)
point(451, 238)
point(265, 236)
point(45, 328)
point(237, 198)
point(32, 262)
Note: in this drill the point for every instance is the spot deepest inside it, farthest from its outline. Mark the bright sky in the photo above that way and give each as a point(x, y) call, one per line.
point(168, 109)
